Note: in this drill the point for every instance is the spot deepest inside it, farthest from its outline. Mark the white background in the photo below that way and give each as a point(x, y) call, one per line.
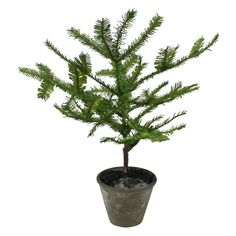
point(48, 166)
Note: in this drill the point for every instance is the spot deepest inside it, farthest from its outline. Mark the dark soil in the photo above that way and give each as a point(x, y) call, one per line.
point(134, 178)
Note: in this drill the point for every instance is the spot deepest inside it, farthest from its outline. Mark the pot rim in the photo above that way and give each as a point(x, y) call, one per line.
point(127, 190)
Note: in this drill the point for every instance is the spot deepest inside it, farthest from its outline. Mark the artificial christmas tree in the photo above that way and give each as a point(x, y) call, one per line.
point(113, 104)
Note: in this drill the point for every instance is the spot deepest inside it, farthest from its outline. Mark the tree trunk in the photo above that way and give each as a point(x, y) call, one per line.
point(126, 159)
point(126, 150)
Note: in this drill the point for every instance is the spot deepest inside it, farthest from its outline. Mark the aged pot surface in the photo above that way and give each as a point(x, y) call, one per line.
point(126, 206)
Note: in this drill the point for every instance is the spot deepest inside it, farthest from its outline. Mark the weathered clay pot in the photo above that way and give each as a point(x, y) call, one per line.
point(126, 207)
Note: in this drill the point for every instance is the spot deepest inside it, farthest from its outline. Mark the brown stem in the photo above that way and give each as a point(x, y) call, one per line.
point(126, 159)
point(126, 150)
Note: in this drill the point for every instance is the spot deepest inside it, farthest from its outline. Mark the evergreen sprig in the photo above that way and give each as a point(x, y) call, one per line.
point(155, 22)
point(121, 29)
point(111, 104)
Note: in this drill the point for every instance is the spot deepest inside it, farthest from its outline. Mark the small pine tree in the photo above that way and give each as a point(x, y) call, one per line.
point(111, 105)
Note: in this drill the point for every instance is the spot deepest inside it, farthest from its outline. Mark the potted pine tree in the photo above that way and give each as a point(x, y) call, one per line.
point(126, 190)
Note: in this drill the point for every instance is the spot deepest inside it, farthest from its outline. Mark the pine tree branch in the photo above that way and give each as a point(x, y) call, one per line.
point(149, 123)
point(84, 63)
point(76, 104)
point(67, 112)
point(170, 119)
point(136, 72)
point(87, 41)
point(30, 73)
point(196, 50)
point(165, 59)
point(129, 84)
point(158, 88)
point(110, 139)
point(108, 87)
point(173, 129)
point(71, 110)
point(155, 22)
point(121, 29)
point(46, 74)
point(94, 129)
point(119, 86)
point(146, 96)
point(104, 109)
point(47, 78)
point(56, 50)
point(103, 34)
point(78, 79)
point(106, 72)
point(129, 140)
point(146, 78)
point(130, 62)
point(153, 102)
point(154, 136)
point(45, 90)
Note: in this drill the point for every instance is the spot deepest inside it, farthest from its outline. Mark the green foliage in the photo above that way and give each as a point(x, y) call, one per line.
point(166, 57)
point(111, 104)
point(121, 30)
point(56, 50)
